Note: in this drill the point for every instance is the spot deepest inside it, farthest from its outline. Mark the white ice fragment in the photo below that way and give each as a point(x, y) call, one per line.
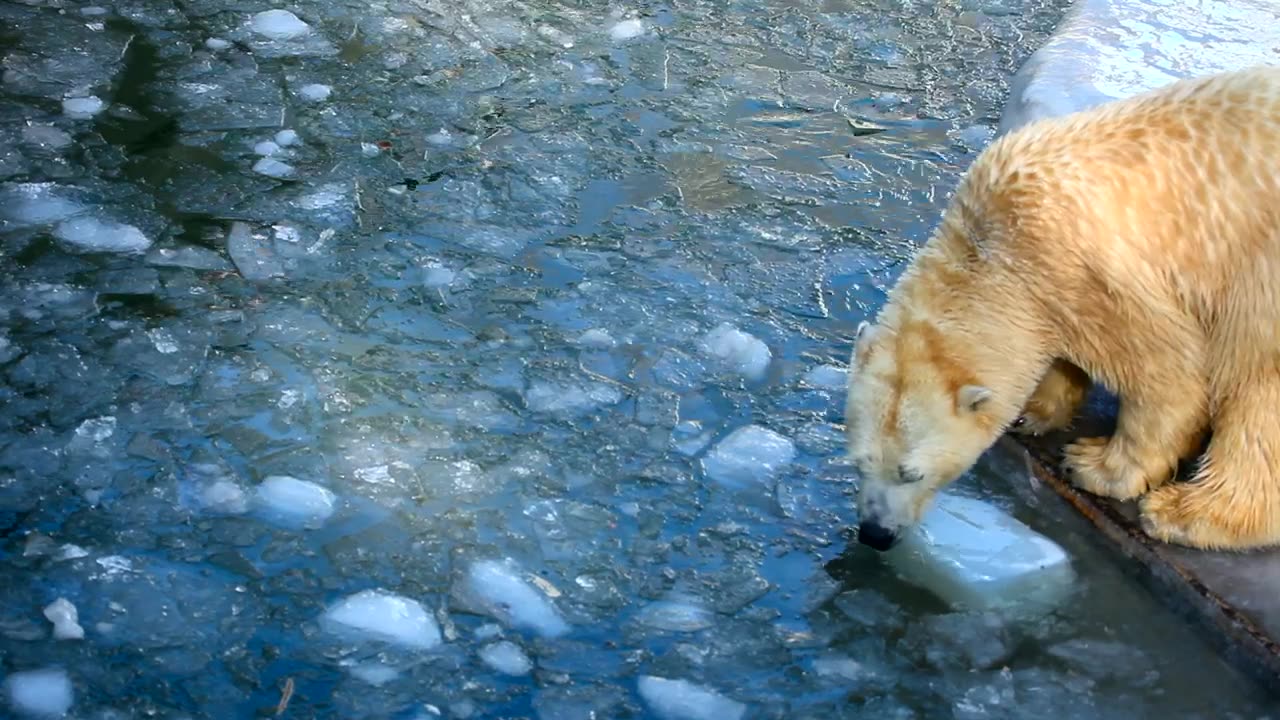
point(682, 700)
point(273, 168)
point(827, 377)
point(750, 454)
point(743, 352)
point(436, 276)
point(627, 29)
point(82, 108)
point(315, 92)
point(36, 204)
point(596, 338)
point(95, 430)
point(383, 616)
point(288, 138)
point(374, 673)
point(163, 341)
point(440, 138)
point(369, 149)
point(70, 552)
point(556, 36)
point(223, 496)
point(43, 693)
point(551, 397)
point(214, 43)
point(498, 589)
point(676, 614)
point(92, 234)
point(93, 10)
point(506, 657)
point(65, 619)
point(45, 136)
point(279, 25)
point(295, 501)
point(972, 554)
point(266, 147)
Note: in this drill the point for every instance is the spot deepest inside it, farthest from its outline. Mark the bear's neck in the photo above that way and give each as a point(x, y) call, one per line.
point(987, 322)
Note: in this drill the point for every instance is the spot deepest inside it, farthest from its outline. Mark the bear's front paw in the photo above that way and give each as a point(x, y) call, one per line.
point(1163, 515)
point(1094, 467)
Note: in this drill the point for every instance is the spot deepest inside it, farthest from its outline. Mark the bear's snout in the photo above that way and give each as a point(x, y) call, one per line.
point(876, 536)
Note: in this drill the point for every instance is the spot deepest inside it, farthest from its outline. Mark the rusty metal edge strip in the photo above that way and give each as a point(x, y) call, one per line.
point(1240, 640)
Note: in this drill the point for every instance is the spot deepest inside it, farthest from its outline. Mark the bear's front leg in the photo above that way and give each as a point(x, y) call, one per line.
point(1233, 501)
point(1055, 401)
point(1154, 431)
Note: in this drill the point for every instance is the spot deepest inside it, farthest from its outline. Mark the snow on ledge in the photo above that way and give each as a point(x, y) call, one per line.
point(1109, 49)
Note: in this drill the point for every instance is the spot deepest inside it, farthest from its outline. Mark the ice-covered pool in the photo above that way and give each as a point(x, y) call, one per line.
point(481, 359)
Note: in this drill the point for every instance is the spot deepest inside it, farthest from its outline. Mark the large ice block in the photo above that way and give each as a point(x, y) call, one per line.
point(972, 554)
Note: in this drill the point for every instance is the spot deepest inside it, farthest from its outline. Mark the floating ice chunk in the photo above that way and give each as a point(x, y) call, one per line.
point(82, 108)
point(252, 254)
point(678, 614)
point(295, 501)
point(36, 204)
point(436, 276)
point(496, 588)
point(682, 700)
point(315, 92)
point(216, 44)
point(46, 136)
point(440, 138)
point(744, 352)
point(827, 377)
point(972, 554)
point(627, 29)
point(43, 693)
point(374, 673)
point(273, 168)
point(191, 256)
point(65, 619)
point(570, 397)
point(94, 235)
point(556, 36)
point(750, 454)
point(223, 496)
point(288, 138)
point(383, 616)
point(596, 338)
point(506, 657)
point(279, 25)
point(266, 147)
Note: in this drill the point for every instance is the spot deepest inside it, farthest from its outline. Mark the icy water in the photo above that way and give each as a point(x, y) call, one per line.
point(385, 360)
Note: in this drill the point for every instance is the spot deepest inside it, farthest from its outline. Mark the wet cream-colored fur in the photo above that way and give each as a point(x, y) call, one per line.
point(1135, 244)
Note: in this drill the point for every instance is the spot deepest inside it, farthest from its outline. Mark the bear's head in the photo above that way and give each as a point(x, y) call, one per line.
point(917, 419)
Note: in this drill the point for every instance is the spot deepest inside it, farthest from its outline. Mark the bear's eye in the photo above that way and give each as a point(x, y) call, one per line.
point(906, 475)
point(1022, 420)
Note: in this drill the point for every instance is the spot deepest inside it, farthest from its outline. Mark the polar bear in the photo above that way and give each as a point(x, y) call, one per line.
point(1135, 244)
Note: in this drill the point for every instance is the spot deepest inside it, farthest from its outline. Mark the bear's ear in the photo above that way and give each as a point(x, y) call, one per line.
point(972, 397)
point(862, 338)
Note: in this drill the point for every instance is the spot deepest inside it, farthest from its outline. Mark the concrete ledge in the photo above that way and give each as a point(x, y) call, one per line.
point(1105, 50)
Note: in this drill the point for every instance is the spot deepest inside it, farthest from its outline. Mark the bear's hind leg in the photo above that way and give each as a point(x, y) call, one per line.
point(1233, 501)
point(1153, 432)
point(1055, 401)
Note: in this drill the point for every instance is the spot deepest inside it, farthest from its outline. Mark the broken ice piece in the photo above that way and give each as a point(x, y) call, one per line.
point(273, 168)
point(65, 619)
point(743, 352)
point(380, 615)
point(682, 700)
point(295, 502)
point(93, 235)
point(498, 588)
point(279, 25)
point(315, 92)
point(82, 108)
point(506, 657)
point(45, 692)
point(750, 454)
point(627, 29)
point(972, 554)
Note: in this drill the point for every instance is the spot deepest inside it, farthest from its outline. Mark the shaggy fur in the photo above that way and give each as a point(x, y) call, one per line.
point(1136, 244)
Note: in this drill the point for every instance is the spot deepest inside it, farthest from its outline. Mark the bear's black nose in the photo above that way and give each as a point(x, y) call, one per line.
point(876, 536)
